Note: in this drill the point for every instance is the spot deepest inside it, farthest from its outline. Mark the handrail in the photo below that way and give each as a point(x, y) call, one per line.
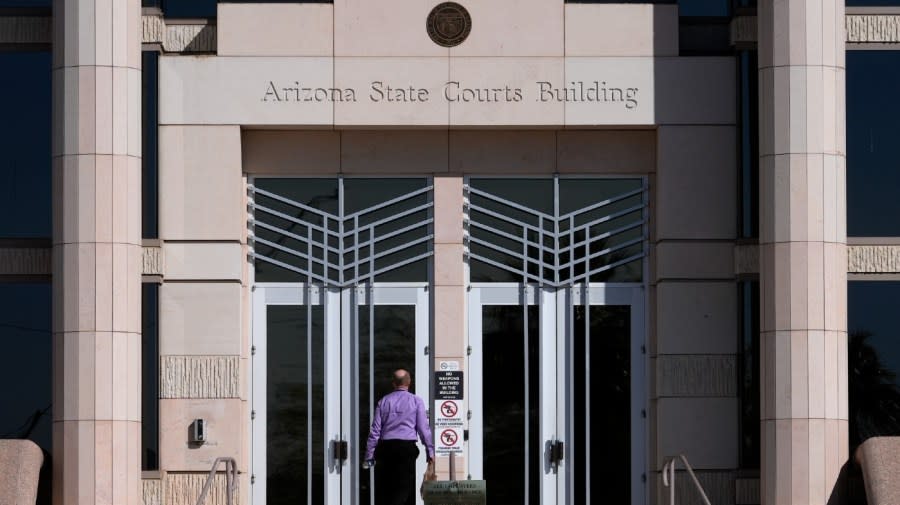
point(668, 475)
point(230, 480)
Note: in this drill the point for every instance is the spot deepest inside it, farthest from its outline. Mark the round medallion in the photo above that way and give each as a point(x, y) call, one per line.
point(449, 24)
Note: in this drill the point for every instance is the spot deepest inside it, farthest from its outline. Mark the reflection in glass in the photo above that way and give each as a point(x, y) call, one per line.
point(25, 145)
point(750, 409)
point(394, 347)
point(508, 424)
point(150, 143)
point(874, 360)
point(295, 401)
point(600, 222)
point(873, 78)
point(602, 404)
point(26, 371)
point(399, 230)
point(150, 376)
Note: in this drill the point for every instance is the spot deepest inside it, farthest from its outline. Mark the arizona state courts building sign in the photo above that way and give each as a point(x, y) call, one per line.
point(537, 195)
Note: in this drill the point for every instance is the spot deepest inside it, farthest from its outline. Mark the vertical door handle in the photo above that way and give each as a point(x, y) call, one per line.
point(340, 450)
point(557, 452)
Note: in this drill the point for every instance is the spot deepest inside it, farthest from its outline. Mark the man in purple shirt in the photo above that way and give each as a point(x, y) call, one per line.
point(398, 418)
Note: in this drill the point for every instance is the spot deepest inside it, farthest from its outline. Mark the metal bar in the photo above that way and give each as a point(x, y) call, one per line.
point(587, 391)
point(602, 236)
point(508, 268)
point(555, 228)
point(390, 202)
point(394, 266)
point(571, 248)
point(299, 238)
point(525, 342)
point(371, 376)
point(309, 388)
point(340, 229)
point(290, 202)
point(508, 219)
point(614, 215)
point(498, 232)
point(508, 203)
point(403, 246)
point(394, 217)
point(609, 266)
point(287, 217)
point(288, 250)
point(610, 250)
point(401, 231)
point(603, 203)
point(288, 267)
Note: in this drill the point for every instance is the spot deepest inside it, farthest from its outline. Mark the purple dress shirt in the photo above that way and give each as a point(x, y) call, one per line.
point(400, 415)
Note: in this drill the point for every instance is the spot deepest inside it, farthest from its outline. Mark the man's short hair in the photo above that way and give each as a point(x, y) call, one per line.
point(401, 378)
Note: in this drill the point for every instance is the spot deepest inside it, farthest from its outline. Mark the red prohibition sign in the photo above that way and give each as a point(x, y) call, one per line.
point(449, 408)
point(449, 437)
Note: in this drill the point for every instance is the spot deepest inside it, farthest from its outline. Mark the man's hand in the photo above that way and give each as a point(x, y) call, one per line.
point(369, 463)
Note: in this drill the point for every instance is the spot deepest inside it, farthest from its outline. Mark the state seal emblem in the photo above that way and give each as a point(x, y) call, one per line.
point(449, 24)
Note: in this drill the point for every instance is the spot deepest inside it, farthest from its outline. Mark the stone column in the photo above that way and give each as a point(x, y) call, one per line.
point(803, 258)
point(449, 291)
point(97, 252)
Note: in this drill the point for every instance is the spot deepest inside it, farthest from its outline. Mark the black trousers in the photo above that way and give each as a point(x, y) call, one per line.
point(395, 472)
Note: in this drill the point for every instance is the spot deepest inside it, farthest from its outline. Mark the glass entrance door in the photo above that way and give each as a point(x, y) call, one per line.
point(560, 410)
point(321, 360)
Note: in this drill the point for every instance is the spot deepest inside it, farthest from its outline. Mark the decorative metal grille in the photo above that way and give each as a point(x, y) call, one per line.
point(343, 248)
point(594, 243)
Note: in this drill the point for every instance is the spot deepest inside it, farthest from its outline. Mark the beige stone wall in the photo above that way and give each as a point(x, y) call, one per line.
point(693, 296)
point(204, 308)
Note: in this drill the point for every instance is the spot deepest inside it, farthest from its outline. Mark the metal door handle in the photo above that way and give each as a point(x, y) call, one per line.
point(340, 450)
point(557, 452)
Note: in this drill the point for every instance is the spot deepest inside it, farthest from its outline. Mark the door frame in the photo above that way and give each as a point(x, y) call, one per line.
point(556, 372)
point(341, 321)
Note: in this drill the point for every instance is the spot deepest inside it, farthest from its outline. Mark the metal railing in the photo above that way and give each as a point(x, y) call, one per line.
point(340, 249)
point(558, 249)
point(668, 475)
point(230, 480)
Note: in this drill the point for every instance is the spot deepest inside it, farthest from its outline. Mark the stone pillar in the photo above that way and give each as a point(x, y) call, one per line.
point(97, 252)
point(449, 291)
point(803, 260)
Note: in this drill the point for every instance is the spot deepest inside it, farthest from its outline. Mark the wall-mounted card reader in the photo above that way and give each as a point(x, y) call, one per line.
point(198, 432)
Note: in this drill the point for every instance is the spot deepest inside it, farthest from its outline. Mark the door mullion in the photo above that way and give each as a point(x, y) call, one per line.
point(332, 393)
point(548, 376)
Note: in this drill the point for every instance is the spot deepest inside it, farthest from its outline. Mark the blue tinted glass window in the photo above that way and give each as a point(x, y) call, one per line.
point(150, 377)
point(26, 370)
point(25, 143)
point(715, 8)
point(189, 8)
point(873, 169)
point(26, 3)
point(874, 359)
point(150, 140)
point(871, 3)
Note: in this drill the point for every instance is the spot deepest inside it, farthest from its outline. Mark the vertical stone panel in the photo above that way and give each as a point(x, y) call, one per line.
point(97, 252)
point(803, 257)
